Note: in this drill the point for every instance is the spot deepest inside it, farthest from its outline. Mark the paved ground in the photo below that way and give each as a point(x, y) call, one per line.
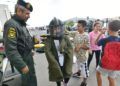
point(42, 74)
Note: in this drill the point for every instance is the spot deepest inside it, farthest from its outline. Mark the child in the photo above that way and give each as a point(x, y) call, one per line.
point(81, 44)
point(59, 53)
point(105, 66)
point(93, 47)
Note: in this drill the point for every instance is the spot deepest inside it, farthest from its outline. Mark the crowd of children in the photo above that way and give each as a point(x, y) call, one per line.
point(59, 51)
point(96, 42)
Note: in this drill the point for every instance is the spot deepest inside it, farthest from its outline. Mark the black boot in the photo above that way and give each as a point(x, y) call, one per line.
point(83, 84)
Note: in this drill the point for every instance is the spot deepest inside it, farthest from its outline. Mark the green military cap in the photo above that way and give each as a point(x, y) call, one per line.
point(26, 5)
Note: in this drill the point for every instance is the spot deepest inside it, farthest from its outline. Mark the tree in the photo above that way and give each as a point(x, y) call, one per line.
point(69, 23)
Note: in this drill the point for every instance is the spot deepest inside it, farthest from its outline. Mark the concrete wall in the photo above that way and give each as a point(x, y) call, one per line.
point(4, 14)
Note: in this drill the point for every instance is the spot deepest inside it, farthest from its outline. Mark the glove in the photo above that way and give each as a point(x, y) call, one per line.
point(39, 45)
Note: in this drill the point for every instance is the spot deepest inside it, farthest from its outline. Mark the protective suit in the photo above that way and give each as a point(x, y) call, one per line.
point(59, 58)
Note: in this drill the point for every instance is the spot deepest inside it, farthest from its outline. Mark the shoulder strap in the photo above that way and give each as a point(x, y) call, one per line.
point(105, 42)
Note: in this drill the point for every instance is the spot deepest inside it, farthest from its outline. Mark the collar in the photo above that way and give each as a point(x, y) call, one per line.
point(18, 19)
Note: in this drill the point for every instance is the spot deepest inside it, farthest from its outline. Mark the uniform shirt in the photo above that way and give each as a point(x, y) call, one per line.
point(18, 42)
point(93, 36)
point(82, 55)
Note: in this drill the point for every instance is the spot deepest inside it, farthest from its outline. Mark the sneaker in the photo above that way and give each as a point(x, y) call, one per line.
point(83, 84)
point(77, 74)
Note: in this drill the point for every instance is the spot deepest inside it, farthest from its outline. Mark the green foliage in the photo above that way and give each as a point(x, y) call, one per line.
point(69, 23)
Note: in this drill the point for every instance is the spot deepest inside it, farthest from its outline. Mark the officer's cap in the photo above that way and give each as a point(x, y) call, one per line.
point(25, 5)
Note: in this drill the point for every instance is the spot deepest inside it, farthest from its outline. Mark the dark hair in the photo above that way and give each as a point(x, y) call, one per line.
point(114, 25)
point(96, 24)
point(20, 7)
point(119, 32)
point(82, 22)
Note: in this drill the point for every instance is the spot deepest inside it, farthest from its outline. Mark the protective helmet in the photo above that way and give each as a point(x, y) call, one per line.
point(55, 22)
point(56, 28)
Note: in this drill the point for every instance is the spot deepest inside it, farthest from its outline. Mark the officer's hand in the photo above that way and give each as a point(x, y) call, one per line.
point(25, 70)
point(33, 53)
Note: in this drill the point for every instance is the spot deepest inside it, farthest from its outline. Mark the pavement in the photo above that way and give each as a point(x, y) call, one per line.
point(41, 66)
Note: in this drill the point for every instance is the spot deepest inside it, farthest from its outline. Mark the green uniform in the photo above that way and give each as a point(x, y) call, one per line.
point(18, 48)
point(55, 72)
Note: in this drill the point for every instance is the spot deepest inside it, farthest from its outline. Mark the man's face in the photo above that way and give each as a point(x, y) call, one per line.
point(25, 15)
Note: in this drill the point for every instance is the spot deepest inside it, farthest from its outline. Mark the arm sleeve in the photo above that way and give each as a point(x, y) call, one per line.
point(10, 43)
point(90, 37)
point(103, 36)
point(52, 60)
point(87, 41)
point(100, 42)
point(72, 33)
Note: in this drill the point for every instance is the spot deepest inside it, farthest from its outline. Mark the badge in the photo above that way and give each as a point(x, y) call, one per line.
point(11, 33)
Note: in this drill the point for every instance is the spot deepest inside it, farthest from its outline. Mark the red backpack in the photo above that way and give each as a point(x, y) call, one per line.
point(111, 57)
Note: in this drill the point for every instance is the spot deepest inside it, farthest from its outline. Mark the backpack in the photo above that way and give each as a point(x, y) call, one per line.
point(111, 56)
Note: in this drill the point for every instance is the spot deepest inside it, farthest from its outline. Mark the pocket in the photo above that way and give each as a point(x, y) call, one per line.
point(29, 42)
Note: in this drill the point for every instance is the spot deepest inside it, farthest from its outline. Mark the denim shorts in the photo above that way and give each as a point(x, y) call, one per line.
point(106, 72)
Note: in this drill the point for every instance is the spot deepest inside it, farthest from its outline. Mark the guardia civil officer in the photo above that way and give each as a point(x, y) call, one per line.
point(19, 44)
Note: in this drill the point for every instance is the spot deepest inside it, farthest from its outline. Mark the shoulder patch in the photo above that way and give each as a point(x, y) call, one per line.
point(11, 33)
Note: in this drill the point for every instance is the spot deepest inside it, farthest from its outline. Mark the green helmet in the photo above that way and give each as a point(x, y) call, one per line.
point(56, 25)
point(55, 22)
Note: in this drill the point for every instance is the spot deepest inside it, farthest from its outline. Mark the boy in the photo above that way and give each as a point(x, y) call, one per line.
point(106, 61)
point(81, 44)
